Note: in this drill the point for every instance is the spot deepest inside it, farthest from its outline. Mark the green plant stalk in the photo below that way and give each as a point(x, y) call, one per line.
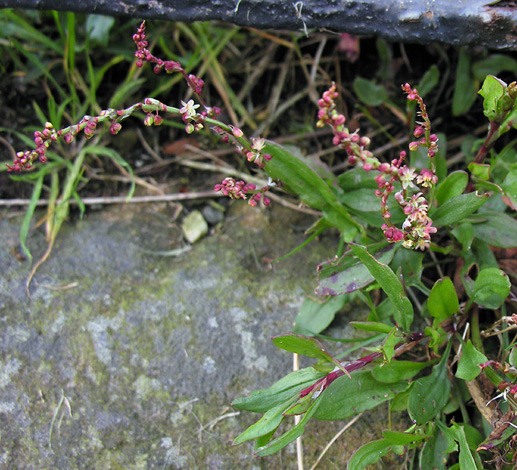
point(475, 331)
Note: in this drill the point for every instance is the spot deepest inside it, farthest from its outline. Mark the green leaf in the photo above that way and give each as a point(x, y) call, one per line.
point(497, 229)
point(491, 288)
point(315, 316)
point(357, 178)
point(289, 436)
point(428, 81)
point(458, 207)
point(492, 91)
point(493, 64)
point(298, 178)
point(465, 86)
point(430, 394)
point(346, 397)
point(304, 345)
point(396, 371)
point(260, 401)
point(388, 346)
point(480, 171)
point(409, 262)
point(512, 358)
point(433, 455)
point(369, 93)
point(400, 400)
point(363, 199)
point(510, 185)
point(371, 326)
point(347, 274)
point(368, 454)
point(442, 301)
point(24, 231)
point(468, 367)
point(402, 438)
point(268, 423)
point(464, 233)
point(98, 27)
point(390, 284)
point(466, 459)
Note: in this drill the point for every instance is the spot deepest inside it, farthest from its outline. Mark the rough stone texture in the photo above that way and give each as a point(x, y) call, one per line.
point(127, 360)
point(483, 22)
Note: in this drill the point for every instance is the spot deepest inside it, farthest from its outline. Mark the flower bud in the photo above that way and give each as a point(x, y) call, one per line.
point(115, 128)
point(418, 132)
point(149, 120)
point(236, 132)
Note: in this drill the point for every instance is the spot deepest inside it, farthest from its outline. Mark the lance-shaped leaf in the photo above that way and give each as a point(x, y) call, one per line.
point(496, 228)
point(297, 177)
point(390, 284)
point(432, 456)
point(430, 394)
point(267, 424)
point(402, 438)
point(397, 371)
point(288, 437)
point(457, 208)
point(260, 401)
point(452, 186)
point(457, 433)
point(348, 275)
point(346, 397)
point(304, 345)
point(316, 315)
point(369, 454)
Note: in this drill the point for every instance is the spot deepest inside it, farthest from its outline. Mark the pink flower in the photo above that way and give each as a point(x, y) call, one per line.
point(427, 178)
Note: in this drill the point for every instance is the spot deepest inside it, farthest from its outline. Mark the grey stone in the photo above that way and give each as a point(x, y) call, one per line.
point(125, 360)
point(194, 227)
point(212, 215)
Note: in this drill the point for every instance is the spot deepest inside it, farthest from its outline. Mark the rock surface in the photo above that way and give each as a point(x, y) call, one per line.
point(127, 360)
point(477, 22)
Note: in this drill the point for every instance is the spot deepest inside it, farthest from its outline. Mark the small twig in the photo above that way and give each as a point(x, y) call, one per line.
point(297, 418)
point(90, 201)
point(146, 146)
point(127, 179)
point(334, 439)
point(315, 63)
point(437, 264)
point(213, 423)
point(65, 287)
point(9, 146)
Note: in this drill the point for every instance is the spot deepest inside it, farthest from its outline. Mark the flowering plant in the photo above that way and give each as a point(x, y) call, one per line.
point(415, 212)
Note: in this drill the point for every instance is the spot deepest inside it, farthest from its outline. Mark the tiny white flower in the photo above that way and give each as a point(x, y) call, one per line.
point(189, 109)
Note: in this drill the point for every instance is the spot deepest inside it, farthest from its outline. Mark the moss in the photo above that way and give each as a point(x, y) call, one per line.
point(151, 350)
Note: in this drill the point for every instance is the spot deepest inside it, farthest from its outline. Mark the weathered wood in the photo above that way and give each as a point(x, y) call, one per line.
point(455, 22)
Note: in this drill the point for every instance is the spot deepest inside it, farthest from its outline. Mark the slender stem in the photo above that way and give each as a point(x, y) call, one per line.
point(489, 141)
point(475, 332)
